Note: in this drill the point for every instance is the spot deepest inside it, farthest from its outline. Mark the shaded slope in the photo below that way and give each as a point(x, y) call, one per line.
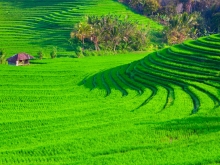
point(192, 67)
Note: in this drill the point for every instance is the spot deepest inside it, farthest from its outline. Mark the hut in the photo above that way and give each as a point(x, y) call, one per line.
point(20, 59)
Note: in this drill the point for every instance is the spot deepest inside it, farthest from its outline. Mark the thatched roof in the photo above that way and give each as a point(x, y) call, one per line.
point(19, 56)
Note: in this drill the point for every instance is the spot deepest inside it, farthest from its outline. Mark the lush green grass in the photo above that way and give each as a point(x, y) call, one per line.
point(28, 26)
point(161, 108)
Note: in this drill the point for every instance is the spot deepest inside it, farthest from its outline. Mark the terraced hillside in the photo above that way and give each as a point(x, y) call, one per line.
point(28, 26)
point(185, 75)
point(161, 108)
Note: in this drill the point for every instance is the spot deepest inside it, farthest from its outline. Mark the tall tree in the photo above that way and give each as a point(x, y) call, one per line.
point(181, 27)
point(109, 32)
point(150, 6)
point(81, 31)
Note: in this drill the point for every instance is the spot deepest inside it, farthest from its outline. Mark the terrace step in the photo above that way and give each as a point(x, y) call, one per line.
point(193, 60)
point(180, 66)
point(183, 60)
point(195, 46)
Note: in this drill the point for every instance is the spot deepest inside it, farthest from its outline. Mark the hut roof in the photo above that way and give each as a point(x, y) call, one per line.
point(20, 56)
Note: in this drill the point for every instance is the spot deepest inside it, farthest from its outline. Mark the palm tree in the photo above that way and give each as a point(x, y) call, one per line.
point(82, 30)
point(97, 32)
point(181, 27)
point(106, 30)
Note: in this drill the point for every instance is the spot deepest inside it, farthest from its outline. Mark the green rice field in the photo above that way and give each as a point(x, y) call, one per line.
point(159, 108)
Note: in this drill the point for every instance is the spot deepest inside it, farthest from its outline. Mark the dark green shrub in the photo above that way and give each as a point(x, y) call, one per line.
point(79, 51)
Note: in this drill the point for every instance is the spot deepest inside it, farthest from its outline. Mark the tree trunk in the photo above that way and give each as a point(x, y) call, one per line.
point(95, 41)
point(114, 47)
point(83, 42)
point(97, 47)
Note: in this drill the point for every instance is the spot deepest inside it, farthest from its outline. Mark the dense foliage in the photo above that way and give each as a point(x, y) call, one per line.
point(144, 6)
point(110, 32)
point(181, 27)
point(205, 12)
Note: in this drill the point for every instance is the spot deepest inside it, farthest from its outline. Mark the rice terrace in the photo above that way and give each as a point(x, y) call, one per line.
point(124, 104)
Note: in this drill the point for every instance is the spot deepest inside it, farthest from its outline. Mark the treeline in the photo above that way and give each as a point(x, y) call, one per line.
point(182, 19)
point(109, 33)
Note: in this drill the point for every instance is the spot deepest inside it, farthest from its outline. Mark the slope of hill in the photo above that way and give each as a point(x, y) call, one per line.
point(192, 67)
point(160, 109)
point(28, 26)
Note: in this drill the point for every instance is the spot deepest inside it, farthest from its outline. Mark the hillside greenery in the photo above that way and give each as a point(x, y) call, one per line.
point(31, 26)
point(161, 108)
point(133, 107)
point(204, 13)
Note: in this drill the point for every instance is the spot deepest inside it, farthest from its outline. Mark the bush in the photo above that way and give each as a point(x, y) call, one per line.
point(40, 54)
point(79, 51)
point(2, 57)
point(53, 53)
point(89, 53)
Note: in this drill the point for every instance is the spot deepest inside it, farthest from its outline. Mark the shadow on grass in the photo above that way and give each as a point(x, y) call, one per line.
point(52, 34)
point(65, 56)
point(99, 80)
point(195, 124)
point(41, 62)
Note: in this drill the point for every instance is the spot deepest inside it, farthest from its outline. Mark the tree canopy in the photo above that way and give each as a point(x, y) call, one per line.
point(205, 15)
point(110, 32)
